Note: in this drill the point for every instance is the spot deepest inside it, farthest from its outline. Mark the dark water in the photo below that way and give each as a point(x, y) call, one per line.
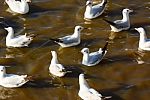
point(120, 73)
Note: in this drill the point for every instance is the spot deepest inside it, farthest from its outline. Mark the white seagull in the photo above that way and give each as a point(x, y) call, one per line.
point(123, 24)
point(144, 43)
point(87, 93)
point(55, 67)
point(91, 59)
point(94, 11)
point(17, 41)
point(12, 80)
point(70, 40)
point(18, 6)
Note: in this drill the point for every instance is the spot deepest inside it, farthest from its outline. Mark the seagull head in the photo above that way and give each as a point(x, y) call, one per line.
point(82, 81)
point(78, 28)
point(2, 70)
point(140, 30)
point(54, 54)
point(85, 51)
point(89, 2)
point(9, 29)
point(81, 76)
point(126, 10)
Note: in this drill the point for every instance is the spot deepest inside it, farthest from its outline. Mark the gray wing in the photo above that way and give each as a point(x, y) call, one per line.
point(94, 57)
point(120, 24)
point(98, 9)
point(12, 79)
point(69, 40)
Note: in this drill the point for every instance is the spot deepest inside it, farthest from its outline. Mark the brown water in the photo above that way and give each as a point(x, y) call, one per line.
point(120, 73)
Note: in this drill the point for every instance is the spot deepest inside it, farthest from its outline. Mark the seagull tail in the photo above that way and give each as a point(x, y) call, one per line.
point(67, 71)
point(110, 22)
point(106, 97)
point(104, 48)
point(56, 40)
point(31, 78)
point(105, 2)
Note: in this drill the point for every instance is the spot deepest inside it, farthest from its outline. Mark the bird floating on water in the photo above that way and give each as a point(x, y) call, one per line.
point(17, 41)
point(70, 40)
point(12, 80)
point(91, 59)
point(93, 11)
point(123, 24)
point(18, 6)
point(87, 93)
point(55, 67)
point(144, 42)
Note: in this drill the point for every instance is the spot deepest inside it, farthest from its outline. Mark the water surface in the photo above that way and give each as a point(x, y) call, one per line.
point(123, 73)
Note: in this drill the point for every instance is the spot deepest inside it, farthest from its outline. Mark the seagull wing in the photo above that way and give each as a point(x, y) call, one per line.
point(14, 80)
point(69, 39)
point(94, 92)
point(94, 57)
point(97, 10)
point(21, 40)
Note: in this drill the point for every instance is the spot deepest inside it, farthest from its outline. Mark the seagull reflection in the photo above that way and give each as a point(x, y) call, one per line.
point(13, 53)
point(138, 56)
point(112, 35)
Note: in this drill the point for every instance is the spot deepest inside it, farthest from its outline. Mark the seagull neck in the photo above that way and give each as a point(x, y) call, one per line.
point(10, 34)
point(54, 60)
point(125, 17)
point(143, 37)
point(83, 84)
point(89, 9)
point(2, 74)
point(76, 34)
point(85, 57)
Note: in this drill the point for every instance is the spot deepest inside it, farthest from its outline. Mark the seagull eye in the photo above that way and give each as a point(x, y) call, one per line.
point(79, 29)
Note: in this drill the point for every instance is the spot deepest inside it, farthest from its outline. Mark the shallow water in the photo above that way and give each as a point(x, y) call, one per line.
point(120, 73)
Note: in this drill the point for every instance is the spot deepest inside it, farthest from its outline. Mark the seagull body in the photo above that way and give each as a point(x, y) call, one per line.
point(70, 40)
point(11, 80)
point(91, 59)
point(55, 67)
point(18, 41)
point(87, 93)
point(120, 25)
point(94, 11)
point(144, 43)
point(20, 7)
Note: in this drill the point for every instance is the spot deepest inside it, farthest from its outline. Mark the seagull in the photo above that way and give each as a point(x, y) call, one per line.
point(92, 59)
point(120, 25)
point(12, 80)
point(70, 40)
point(55, 67)
point(87, 93)
point(144, 43)
point(18, 6)
point(17, 41)
point(94, 11)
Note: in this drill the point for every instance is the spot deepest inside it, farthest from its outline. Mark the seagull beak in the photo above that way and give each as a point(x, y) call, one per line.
point(6, 28)
point(130, 10)
point(85, 28)
point(136, 29)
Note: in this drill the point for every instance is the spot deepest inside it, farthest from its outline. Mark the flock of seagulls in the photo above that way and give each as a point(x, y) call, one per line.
point(89, 59)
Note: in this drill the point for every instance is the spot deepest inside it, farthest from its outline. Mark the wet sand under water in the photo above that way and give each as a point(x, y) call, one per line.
point(120, 73)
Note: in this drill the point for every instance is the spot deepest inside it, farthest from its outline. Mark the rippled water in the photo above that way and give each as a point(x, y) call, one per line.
point(123, 73)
